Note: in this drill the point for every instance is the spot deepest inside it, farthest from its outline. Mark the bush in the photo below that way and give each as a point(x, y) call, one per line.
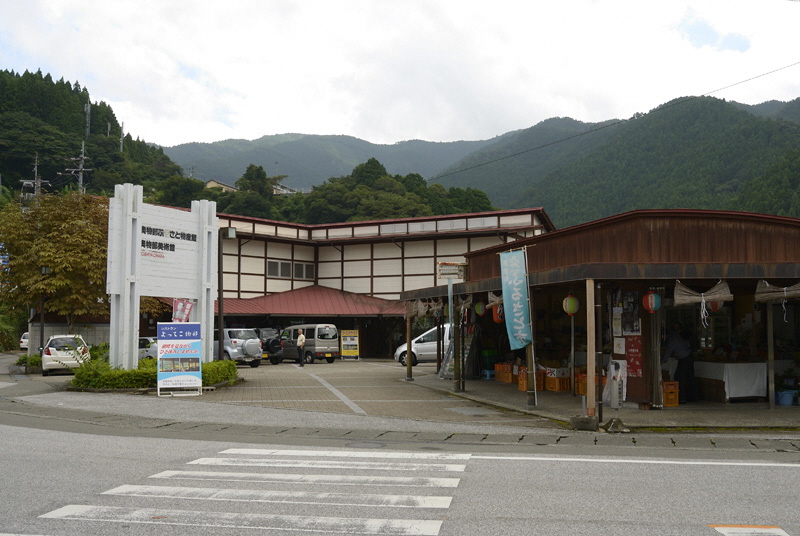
point(30, 361)
point(98, 374)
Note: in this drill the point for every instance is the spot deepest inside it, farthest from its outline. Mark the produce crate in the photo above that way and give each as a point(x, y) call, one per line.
point(671, 391)
point(502, 372)
point(556, 384)
point(580, 384)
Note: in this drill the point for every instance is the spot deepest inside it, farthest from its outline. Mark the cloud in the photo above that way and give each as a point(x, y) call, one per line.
point(700, 33)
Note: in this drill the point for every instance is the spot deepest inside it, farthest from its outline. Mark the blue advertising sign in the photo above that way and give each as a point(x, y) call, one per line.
point(515, 298)
point(180, 356)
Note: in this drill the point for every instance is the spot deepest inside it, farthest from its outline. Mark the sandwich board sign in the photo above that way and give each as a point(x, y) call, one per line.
point(180, 358)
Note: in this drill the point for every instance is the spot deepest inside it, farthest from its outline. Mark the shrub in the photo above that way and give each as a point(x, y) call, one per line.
point(98, 374)
point(29, 360)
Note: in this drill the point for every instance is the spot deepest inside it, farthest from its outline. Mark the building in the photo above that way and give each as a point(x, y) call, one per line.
point(712, 271)
point(379, 260)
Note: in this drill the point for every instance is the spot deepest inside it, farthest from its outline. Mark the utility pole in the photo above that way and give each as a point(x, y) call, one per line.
point(88, 109)
point(121, 135)
point(80, 169)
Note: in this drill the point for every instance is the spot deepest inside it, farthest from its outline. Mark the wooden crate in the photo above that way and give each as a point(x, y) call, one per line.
point(556, 384)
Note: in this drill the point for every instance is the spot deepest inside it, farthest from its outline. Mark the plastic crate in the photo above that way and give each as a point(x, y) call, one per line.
point(556, 384)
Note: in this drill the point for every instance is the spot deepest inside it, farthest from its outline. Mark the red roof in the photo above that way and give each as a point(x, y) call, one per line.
point(315, 301)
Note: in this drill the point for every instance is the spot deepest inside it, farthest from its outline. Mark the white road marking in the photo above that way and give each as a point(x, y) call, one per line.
point(347, 480)
point(636, 461)
point(397, 455)
point(293, 497)
point(329, 464)
point(340, 395)
point(329, 525)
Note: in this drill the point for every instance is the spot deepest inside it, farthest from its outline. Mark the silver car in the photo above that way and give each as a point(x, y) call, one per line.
point(241, 345)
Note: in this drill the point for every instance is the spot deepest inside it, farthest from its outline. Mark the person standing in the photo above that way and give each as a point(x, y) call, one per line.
point(301, 343)
point(678, 347)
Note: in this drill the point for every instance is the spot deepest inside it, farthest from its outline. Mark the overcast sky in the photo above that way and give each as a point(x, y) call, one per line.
point(179, 71)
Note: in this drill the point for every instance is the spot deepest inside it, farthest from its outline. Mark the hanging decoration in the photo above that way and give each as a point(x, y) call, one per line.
point(652, 301)
point(480, 308)
point(570, 305)
point(766, 292)
point(498, 314)
point(719, 292)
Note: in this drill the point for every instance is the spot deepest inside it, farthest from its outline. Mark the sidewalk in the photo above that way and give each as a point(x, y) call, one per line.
point(379, 389)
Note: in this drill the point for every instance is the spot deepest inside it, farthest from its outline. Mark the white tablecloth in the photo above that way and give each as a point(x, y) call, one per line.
point(741, 379)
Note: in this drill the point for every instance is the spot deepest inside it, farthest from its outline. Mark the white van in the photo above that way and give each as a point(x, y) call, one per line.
point(322, 342)
point(423, 347)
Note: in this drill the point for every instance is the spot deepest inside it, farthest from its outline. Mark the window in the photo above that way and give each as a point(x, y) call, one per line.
point(303, 270)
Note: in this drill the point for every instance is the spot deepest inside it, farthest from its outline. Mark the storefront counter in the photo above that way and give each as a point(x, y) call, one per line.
point(741, 380)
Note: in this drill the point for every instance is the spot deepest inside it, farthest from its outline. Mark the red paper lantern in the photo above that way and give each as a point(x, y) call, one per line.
point(498, 314)
point(652, 301)
point(715, 306)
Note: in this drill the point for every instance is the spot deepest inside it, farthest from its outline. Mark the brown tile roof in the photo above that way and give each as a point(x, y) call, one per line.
point(314, 301)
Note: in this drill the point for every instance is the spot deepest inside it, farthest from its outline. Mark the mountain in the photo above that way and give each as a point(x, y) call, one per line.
point(309, 160)
point(702, 153)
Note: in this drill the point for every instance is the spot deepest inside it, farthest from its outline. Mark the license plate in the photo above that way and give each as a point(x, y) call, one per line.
point(265, 355)
point(327, 355)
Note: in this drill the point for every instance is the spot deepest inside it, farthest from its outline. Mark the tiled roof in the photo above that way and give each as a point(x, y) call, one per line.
point(314, 301)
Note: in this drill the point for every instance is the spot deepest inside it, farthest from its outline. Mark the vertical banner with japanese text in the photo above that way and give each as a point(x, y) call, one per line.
point(515, 298)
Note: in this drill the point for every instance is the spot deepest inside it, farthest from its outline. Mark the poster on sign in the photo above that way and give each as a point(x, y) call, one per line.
point(180, 358)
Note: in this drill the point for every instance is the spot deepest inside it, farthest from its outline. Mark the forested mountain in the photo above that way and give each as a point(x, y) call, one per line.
point(309, 160)
point(46, 121)
point(702, 153)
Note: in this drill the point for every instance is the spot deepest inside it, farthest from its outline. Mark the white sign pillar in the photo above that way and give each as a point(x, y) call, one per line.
point(161, 252)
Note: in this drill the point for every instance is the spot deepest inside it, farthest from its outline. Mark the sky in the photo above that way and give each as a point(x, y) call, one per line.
point(385, 71)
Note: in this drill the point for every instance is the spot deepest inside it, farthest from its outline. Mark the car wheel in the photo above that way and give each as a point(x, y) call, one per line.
point(309, 358)
point(45, 372)
point(413, 359)
point(330, 359)
point(255, 363)
point(274, 360)
point(226, 356)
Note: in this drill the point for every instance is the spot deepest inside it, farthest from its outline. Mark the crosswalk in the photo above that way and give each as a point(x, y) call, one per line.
point(278, 491)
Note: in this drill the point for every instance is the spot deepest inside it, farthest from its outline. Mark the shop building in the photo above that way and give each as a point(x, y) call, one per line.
point(729, 279)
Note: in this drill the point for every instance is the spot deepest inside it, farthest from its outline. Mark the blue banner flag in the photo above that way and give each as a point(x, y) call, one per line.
point(515, 298)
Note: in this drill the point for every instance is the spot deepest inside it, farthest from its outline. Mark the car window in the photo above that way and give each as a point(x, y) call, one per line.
point(243, 334)
point(68, 342)
point(327, 333)
point(429, 337)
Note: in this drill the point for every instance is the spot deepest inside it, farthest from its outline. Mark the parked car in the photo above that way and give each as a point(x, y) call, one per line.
point(423, 347)
point(271, 343)
point(322, 342)
point(241, 345)
point(23, 341)
point(63, 352)
point(148, 347)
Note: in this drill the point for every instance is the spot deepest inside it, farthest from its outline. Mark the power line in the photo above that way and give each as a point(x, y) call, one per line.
point(615, 123)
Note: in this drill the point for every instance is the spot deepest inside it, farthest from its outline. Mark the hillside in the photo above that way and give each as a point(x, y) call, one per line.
point(309, 160)
point(689, 153)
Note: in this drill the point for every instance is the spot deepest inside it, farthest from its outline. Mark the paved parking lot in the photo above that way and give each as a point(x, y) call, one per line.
point(365, 387)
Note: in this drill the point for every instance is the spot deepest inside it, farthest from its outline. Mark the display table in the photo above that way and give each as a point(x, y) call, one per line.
point(741, 380)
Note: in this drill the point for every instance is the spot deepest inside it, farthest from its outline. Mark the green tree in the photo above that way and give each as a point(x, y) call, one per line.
point(67, 234)
point(178, 191)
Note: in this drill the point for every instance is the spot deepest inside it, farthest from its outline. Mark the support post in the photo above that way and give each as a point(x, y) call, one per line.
point(409, 349)
point(591, 389)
